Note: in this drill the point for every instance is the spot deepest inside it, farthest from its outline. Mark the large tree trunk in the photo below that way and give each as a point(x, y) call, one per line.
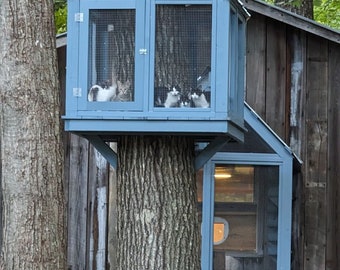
point(31, 164)
point(301, 7)
point(157, 212)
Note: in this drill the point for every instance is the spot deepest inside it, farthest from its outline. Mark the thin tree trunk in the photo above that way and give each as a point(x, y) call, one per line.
point(33, 210)
point(157, 212)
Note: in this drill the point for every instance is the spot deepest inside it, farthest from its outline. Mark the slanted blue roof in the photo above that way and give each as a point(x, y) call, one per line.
point(262, 129)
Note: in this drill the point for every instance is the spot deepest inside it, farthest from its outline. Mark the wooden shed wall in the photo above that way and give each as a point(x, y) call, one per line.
point(293, 83)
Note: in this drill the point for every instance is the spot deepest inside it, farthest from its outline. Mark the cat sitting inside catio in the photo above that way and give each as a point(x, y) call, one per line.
point(199, 98)
point(164, 97)
point(111, 92)
point(195, 98)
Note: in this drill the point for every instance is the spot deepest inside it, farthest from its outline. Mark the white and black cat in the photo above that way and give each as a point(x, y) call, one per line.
point(102, 92)
point(200, 99)
point(164, 97)
point(106, 91)
point(168, 98)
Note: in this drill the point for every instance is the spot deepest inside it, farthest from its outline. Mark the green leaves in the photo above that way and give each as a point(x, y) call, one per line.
point(327, 12)
point(60, 15)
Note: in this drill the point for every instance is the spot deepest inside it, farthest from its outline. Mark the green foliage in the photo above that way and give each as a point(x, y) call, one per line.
point(60, 15)
point(327, 12)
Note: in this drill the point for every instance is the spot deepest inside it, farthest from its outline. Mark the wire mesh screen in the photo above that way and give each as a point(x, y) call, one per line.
point(111, 55)
point(183, 56)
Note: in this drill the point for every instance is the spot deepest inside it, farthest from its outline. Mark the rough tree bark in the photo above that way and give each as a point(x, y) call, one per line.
point(157, 212)
point(31, 164)
point(301, 7)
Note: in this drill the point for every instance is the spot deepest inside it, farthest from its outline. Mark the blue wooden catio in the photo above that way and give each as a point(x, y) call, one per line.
point(155, 67)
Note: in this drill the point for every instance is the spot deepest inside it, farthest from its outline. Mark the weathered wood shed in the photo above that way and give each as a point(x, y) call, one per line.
point(293, 83)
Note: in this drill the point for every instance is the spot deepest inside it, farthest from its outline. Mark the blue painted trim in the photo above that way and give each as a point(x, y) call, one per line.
point(72, 65)
point(207, 218)
point(108, 4)
point(178, 2)
point(84, 84)
point(266, 133)
point(285, 216)
point(203, 128)
point(285, 194)
point(221, 55)
point(209, 151)
point(104, 149)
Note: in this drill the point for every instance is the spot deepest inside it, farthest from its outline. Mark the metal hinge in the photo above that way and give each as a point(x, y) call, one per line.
point(143, 51)
point(77, 92)
point(79, 17)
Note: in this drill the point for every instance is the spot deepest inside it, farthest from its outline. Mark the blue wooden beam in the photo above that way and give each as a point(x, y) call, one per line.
point(104, 149)
point(209, 151)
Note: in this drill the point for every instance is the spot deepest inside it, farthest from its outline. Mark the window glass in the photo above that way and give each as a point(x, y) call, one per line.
point(234, 183)
point(183, 56)
point(111, 55)
point(245, 213)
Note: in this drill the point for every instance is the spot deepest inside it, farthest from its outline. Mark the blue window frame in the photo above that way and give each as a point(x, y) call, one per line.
point(103, 62)
point(262, 240)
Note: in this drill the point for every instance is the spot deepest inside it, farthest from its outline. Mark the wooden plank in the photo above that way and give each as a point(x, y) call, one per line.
point(256, 68)
point(333, 183)
point(276, 77)
point(97, 207)
point(297, 55)
point(315, 169)
point(112, 216)
point(77, 206)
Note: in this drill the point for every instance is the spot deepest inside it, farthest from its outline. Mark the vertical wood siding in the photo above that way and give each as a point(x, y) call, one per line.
point(77, 180)
point(299, 99)
point(315, 169)
point(333, 179)
point(256, 63)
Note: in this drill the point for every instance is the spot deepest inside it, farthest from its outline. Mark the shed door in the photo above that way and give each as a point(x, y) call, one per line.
point(245, 224)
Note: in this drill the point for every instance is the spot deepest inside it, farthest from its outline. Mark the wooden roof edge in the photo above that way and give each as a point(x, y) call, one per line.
point(292, 19)
point(61, 40)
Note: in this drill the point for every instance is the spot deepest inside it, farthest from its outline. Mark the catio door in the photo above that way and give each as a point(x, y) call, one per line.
point(245, 216)
point(110, 36)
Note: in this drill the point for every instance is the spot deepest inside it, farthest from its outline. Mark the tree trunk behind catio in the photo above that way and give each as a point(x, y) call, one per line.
point(301, 7)
point(157, 212)
point(32, 227)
